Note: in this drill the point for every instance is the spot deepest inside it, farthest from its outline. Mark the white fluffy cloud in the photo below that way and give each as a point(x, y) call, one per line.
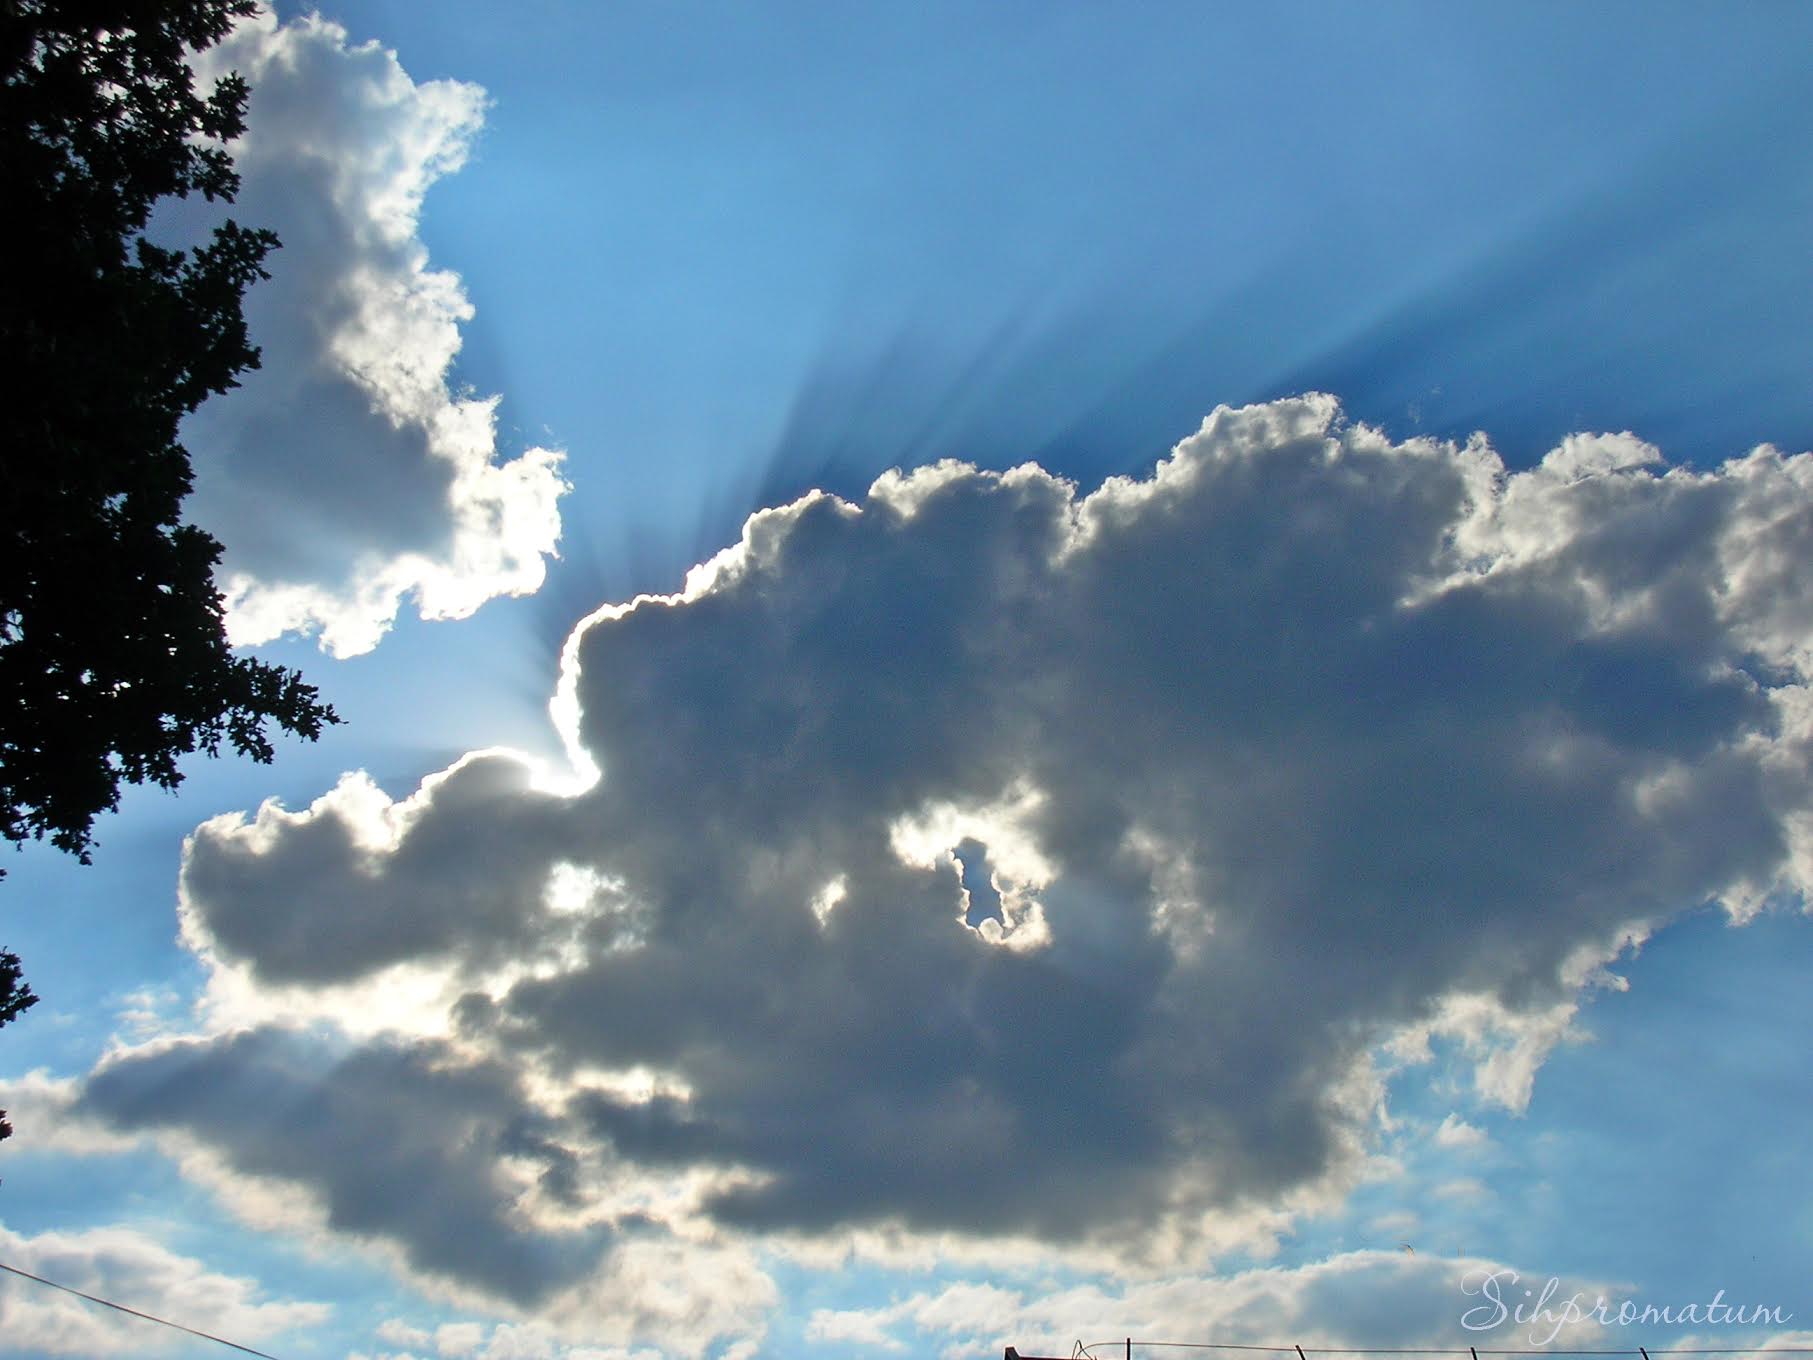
point(1455, 1132)
point(130, 1268)
point(990, 863)
point(345, 476)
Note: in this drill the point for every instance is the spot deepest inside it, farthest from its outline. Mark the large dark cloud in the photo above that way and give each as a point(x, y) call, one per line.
point(1264, 761)
point(397, 1140)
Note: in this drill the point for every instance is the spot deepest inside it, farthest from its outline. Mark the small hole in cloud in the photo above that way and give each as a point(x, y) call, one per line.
point(983, 898)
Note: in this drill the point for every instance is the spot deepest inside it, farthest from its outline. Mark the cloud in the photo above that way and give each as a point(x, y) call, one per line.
point(43, 1111)
point(1455, 1132)
point(444, 1163)
point(522, 1341)
point(991, 863)
point(128, 1267)
point(394, 1139)
point(346, 475)
point(503, 1341)
point(1774, 1343)
point(1365, 1298)
point(400, 1333)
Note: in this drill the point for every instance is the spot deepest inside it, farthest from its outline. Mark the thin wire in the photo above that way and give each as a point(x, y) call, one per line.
point(149, 1317)
point(1454, 1350)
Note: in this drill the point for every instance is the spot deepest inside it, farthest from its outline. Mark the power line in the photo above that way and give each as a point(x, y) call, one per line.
point(1643, 1351)
point(149, 1317)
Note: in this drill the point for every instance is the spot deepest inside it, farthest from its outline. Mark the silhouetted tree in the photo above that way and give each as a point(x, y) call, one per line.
point(15, 999)
point(114, 660)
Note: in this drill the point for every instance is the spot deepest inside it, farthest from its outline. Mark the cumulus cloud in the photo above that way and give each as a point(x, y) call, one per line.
point(993, 862)
point(394, 1140)
point(444, 1163)
point(345, 475)
point(128, 1267)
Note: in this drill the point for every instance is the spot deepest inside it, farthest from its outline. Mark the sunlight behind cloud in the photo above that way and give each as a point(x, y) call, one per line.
point(1298, 715)
point(349, 475)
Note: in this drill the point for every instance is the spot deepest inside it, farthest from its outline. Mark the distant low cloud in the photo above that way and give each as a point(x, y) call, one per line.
point(1366, 1298)
point(989, 863)
point(346, 475)
point(131, 1268)
point(1455, 1132)
point(500, 1341)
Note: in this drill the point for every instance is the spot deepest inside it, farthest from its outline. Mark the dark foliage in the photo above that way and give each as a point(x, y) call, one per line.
point(15, 999)
point(114, 661)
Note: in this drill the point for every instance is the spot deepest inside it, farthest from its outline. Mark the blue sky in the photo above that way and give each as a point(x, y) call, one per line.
point(1362, 850)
